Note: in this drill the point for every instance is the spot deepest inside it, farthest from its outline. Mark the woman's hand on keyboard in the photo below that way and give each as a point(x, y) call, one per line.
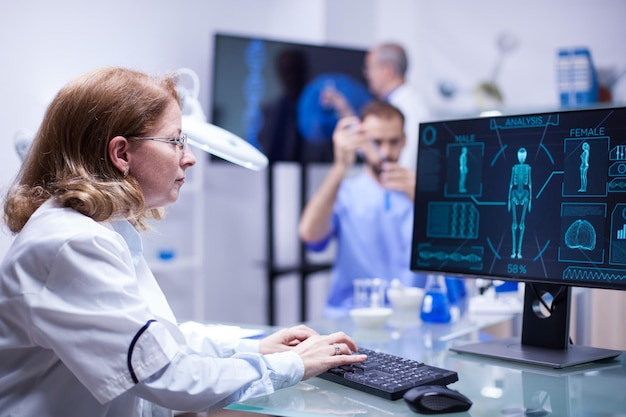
point(321, 353)
point(285, 339)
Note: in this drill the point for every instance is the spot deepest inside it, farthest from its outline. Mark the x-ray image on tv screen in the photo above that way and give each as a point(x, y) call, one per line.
point(269, 92)
point(538, 197)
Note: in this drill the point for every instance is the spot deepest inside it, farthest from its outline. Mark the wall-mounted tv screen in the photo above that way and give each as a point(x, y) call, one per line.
point(269, 93)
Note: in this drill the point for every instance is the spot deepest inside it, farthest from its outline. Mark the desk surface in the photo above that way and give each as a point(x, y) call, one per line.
point(496, 387)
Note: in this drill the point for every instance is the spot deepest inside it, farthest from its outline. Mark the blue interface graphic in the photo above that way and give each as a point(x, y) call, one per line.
point(537, 197)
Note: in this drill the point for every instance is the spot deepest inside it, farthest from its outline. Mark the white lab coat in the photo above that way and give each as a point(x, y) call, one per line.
point(74, 294)
point(415, 112)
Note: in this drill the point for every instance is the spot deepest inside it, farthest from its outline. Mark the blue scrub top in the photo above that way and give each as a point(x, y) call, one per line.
point(373, 228)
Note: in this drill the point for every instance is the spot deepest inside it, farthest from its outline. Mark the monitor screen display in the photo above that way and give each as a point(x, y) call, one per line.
point(537, 197)
point(269, 93)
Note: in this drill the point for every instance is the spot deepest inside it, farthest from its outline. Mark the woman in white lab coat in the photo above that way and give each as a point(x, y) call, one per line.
point(84, 327)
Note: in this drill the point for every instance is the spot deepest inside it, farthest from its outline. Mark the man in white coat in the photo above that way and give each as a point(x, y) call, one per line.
point(385, 70)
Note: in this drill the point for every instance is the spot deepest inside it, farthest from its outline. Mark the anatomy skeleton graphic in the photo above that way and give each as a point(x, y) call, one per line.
point(462, 169)
point(520, 196)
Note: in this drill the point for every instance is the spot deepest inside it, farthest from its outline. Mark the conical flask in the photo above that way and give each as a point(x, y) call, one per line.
point(435, 305)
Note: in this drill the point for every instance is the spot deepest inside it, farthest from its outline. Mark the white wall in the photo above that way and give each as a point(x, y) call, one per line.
point(458, 44)
point(45, 44)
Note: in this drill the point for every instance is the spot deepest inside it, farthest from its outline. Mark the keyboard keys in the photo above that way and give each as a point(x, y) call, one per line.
point(388, 376)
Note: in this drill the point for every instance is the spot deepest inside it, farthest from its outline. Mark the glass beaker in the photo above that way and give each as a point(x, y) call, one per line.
point(369, 292)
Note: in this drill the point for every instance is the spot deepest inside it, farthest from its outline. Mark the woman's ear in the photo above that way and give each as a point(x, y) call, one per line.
point(119, 154)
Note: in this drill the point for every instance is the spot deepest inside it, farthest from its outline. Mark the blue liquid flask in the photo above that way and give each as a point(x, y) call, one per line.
point(456, 289)
point(435, 305)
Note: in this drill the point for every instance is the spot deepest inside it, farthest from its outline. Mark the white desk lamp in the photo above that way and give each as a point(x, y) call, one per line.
point(211, 138)
point(22, 140)
point(202, 135)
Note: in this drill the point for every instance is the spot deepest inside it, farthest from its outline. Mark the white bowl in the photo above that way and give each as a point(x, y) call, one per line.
point(405, 298)
point(370, 317)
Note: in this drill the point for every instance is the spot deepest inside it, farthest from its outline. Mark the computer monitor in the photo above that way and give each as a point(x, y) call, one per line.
point(268, 91)
point(537, 198)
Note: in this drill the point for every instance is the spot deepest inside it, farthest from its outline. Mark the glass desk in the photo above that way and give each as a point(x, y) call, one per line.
point(404, 328)
point(496, 387)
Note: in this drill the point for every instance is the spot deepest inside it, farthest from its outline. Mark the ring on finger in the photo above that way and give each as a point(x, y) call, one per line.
point(337, 348)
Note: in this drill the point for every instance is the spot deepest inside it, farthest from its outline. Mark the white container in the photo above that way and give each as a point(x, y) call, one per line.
point(405, 298)
point(370, 317)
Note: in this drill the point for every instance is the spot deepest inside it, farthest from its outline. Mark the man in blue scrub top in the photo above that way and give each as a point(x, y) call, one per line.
point(369, 214)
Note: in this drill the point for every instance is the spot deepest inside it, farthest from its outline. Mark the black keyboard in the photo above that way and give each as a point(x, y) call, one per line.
point(388, 376)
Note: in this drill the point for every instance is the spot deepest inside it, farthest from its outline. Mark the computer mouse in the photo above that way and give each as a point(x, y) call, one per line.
point(436, 399)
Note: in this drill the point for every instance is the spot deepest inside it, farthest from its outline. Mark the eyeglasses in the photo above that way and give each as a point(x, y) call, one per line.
point(180, 141)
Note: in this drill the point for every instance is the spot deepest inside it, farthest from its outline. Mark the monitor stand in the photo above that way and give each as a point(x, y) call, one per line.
point(545, 336)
